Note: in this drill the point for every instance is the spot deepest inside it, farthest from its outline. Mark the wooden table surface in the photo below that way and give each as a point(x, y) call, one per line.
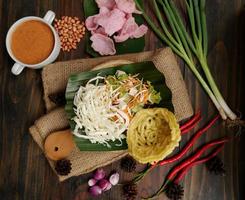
point(24, 171)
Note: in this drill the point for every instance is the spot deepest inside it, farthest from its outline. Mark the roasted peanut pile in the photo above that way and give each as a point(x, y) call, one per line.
point(70, 30)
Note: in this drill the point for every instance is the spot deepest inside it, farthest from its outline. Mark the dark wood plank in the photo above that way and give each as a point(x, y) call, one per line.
point(239, 61)
point(25, 173)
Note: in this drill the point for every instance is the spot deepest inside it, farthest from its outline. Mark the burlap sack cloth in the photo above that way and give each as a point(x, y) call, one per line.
point(55, 78)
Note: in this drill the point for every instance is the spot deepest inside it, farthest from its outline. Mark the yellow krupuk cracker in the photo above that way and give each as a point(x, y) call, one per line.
point(152, 135)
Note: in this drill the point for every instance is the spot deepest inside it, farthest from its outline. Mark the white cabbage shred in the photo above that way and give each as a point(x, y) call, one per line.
point(94, 114)
point(105, 106)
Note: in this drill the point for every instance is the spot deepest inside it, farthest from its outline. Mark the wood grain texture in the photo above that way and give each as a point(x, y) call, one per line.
point(25, 173)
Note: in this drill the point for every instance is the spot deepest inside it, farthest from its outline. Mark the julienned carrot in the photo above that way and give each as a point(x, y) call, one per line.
point(192, 158)
point(184, 171)
point(189, 144)
point(191, 121)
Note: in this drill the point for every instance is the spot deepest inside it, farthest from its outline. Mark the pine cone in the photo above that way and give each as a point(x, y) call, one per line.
point(174, 191)
point(128, 164)
point(58, 98)
point(63, 167)
point(216, 166)
point(130, 191)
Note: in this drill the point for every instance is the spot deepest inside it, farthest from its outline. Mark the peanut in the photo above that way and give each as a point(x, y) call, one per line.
point(70, 30)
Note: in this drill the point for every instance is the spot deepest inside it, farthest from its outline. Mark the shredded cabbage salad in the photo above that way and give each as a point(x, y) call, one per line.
point(105, 106)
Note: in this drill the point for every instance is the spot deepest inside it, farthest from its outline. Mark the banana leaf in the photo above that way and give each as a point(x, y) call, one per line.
point(146, 70)
point(129, 46)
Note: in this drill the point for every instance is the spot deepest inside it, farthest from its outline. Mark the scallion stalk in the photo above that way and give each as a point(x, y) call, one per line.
point(186, 46)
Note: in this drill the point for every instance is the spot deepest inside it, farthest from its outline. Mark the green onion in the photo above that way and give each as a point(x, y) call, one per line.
point(188, 46)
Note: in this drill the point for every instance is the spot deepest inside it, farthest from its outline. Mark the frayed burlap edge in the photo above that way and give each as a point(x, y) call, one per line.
point(55, 78)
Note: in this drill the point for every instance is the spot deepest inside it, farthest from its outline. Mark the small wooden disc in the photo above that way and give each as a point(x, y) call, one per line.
point(58, 145)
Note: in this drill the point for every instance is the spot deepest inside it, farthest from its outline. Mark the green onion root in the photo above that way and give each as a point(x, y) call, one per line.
point(181, 43)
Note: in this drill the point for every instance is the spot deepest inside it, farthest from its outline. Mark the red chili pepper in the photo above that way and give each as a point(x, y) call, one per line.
point(191, 123)
point(184, 171)
point(186, 127)
point(194, 157)
point(191, 126)
point(189, 144)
